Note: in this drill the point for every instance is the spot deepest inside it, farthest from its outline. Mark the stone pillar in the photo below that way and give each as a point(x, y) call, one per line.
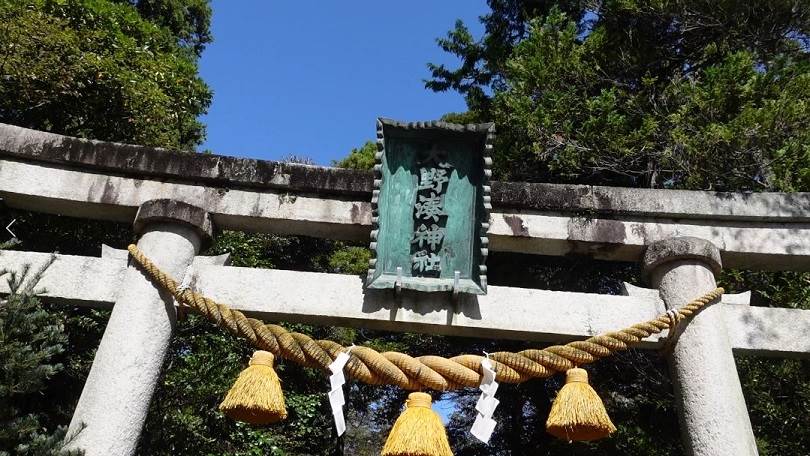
point(713, 417)
point(112, 408)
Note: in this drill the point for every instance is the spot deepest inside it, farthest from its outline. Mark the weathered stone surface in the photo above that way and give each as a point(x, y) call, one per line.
point(231, 172)
point(112, 408)
point(711, 407)
point(758, 231)
point(108, 197)
point(682, 248)
point(506, 313)
point(744, 243)
point(740, 299)
point(539, 196)
point(126, 159)
point(114, 402)
point(169, 210)
point(762, 206)
point(771, 246)
point(71, 280)
point(680, 204)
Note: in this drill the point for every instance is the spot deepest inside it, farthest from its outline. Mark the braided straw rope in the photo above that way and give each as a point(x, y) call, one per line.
point(424, 372)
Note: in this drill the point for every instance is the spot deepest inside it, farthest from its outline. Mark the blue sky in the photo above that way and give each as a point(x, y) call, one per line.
point(310, 77)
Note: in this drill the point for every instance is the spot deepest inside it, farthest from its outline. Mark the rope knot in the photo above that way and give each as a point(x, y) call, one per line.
point(576, 375)
point(418, 400)
point(675, 318)
point(262, 358)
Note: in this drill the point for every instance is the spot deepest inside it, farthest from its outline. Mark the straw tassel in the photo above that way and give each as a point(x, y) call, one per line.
point(418, 431)
point(578, 413)
point(256, 396)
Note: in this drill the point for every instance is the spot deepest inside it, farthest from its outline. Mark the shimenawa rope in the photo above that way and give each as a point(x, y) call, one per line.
point(424, 372)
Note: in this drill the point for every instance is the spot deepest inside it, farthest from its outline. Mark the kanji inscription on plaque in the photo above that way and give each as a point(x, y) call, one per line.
point(431, 206)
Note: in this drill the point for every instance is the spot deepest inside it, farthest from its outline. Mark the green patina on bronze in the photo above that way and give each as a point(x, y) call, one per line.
point(433, 231)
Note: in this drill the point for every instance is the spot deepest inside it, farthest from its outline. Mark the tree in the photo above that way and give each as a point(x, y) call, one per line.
point(100, 69)
point(662, 94)
point(483, 62)
point(31, 341)
point(359, 158)
point(674, 94)
point(188, 20)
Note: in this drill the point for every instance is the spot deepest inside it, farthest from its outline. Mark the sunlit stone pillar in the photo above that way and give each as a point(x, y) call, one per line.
point(114, 402)
point(713, 416)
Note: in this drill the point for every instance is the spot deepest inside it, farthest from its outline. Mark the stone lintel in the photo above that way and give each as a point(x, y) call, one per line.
point(745, 243)
point(210, 169)
point(224, 172)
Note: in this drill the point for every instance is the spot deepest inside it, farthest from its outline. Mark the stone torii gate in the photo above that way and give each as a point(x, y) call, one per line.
point(682, 238)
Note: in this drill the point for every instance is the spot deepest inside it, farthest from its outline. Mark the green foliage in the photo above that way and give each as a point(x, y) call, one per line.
point(730, 125)
point(30, 341)
point(30, 338)
point(461, 117)
point(674, 94)
point(777, 392)
point(82, 327)
point(188, 20)
point(359, 158)
point(272, 251)
point(350, 260)
point(39, 232)
point(483, 61)
point(5, 245)
point(97, 68)
point(666, 94)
